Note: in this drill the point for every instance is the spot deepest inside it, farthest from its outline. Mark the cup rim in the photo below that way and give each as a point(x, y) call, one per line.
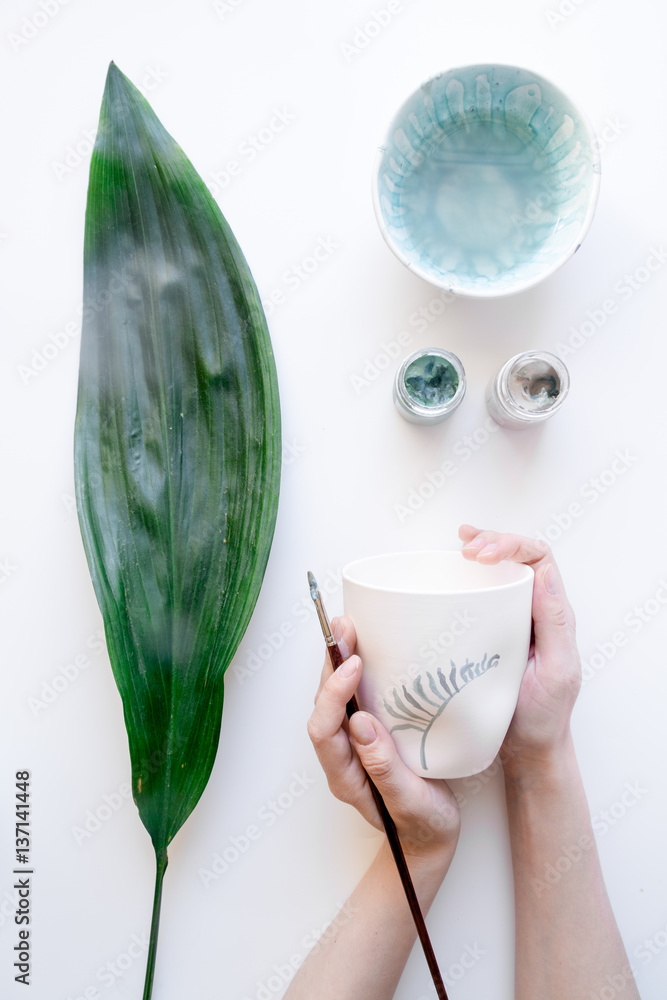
point(456, 287)
point(527, 574)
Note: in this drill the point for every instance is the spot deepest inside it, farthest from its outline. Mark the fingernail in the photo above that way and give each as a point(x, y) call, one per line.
point(349, 667)
point(488, 550)
point(362, 730)
point(338, 633)
point(550, 580)
point(476, 543)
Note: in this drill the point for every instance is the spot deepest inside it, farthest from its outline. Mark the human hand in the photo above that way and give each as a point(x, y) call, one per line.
point(551, 683)
point(424, 810)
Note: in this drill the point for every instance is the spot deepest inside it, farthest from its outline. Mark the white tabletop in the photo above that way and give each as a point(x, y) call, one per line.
point(297, 95)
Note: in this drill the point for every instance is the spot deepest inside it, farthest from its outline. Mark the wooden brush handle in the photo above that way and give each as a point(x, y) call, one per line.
point(336, 658)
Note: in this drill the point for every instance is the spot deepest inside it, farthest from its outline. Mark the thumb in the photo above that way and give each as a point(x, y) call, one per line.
point(426, 813)
point(553, 617)
point(377, 752)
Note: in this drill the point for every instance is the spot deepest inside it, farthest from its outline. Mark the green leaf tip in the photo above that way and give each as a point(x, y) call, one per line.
point(115, 76)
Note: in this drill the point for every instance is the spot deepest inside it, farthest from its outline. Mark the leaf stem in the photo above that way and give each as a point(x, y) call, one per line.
point(161, 867)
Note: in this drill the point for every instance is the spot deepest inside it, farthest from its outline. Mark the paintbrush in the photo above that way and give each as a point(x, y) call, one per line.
point(336, 658)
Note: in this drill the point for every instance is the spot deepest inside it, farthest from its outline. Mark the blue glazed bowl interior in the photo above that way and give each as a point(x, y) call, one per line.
point(487, 181)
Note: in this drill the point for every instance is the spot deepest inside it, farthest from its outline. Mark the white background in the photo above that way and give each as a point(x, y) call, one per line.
point(216, 78)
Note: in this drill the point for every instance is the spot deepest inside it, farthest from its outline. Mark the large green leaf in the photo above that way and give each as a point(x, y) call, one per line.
point(177, 449)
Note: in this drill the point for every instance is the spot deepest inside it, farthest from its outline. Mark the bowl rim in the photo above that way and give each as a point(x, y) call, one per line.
point(522, 286)
point(527, 575)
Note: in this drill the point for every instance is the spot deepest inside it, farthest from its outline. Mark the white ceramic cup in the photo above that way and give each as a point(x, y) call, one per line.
point(444, 644)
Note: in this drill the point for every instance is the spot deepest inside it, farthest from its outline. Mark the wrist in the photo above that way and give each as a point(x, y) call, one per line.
point(427, 868)
point(431, 847)
point(541, 768)
point(434, 859)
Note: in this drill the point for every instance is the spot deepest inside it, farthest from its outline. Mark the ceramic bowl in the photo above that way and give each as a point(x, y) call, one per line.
point(444, 644)
point(487, 180)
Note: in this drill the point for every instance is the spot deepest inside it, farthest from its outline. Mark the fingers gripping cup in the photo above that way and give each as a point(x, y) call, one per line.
point(444, 643)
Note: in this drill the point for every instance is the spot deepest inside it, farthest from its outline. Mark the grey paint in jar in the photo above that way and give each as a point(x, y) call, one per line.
point(527, 389)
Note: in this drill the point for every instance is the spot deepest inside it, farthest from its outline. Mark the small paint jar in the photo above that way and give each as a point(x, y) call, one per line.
point(429, 385)
point(528, 389)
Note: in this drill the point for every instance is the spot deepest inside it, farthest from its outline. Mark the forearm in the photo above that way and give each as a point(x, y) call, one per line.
point(368, 951)
point(567, 941)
